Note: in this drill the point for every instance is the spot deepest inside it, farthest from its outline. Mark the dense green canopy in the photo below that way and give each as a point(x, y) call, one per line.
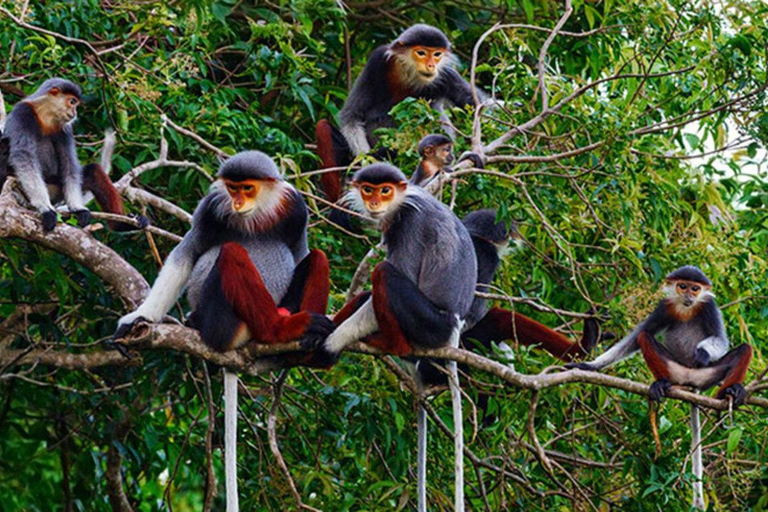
point(626, 143)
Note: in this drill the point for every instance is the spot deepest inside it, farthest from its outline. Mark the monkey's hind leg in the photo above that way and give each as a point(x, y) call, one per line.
point(310, 285)
point(733, 366)
point(660, 362)
point(405, 315)
point(333, 151)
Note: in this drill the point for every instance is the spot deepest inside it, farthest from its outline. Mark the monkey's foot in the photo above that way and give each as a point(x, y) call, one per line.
point(660, 389)
point(702, 358)
point(83, 217)
point(736, 391)
point(314, 343)
point(49, 219)
point(115, 345)
point(477, 161)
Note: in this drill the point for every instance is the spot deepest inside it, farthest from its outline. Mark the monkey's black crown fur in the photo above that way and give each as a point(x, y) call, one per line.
point(423, 35)
point(433, 139)
point(249, 165)
point(61, 84)
point(482, 223)
point(376, 174)
point(689, 273)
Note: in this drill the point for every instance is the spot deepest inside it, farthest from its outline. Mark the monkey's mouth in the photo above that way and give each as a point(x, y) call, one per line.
point(427, 74)
point(687, 302)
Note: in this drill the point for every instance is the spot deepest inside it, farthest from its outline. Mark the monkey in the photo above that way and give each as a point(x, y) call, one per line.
point(248, 271)
point(410, 305)
point(436, 151)
point(38, 147)
point(694, 353)
point(418, 64)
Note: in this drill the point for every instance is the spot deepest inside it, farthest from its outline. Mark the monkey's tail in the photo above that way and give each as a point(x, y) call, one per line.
point(230, 439)
point(421, 470)
point(696, 464)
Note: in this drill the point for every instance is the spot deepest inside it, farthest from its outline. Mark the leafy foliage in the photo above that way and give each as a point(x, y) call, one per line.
point(601, 227)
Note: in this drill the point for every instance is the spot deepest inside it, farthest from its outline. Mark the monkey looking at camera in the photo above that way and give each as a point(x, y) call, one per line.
point(38, 148)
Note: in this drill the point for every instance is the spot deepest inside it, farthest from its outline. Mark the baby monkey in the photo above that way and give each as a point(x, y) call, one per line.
point(436, 152)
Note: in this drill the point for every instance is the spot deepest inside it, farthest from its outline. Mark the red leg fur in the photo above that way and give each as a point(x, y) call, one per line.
point(318, 284)
point(331, 181)
point(738, 372)
point(656, 361)
point(244, 288)
point(393, 340)
point(497, 325)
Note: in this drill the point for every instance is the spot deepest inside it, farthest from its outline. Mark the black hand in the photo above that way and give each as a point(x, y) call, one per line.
point(142, 221)
point(581, 366)
point(49, 219)
point(736, 391)
point(477, 162)
point(314, 342)
point(660, 389)
point(83, 217)
point(702, 358)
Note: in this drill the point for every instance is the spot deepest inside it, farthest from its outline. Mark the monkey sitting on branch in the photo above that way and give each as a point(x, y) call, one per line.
point(38, 148)
point(694, 351)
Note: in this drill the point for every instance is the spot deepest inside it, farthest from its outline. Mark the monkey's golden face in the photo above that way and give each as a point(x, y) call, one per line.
point(377, 199)
point(427, 61)
point(65, 105)
point(442, 155)
point(244, 194)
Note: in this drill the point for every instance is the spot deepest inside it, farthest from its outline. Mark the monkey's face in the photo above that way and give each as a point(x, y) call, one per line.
point(244, 194)
point(442, 155)
point(63, 106)
point(687, 293)
point(427, 61)
point(379, 199)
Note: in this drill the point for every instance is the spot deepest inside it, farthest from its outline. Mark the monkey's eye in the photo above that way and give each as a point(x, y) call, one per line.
point(367, 190)
point(73, 101)
point(421, 53)
point(695, 288)
point(386, 190)
point(437, 54)
point(232, 188)
point(248, 188)
point(682, 286)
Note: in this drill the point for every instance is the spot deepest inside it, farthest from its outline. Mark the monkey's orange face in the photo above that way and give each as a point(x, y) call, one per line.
point(244, 194)
point(377, 199)
point(443, 154)
point(427, 60)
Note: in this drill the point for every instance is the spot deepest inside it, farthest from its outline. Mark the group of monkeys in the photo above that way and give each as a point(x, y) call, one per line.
point(250, 277)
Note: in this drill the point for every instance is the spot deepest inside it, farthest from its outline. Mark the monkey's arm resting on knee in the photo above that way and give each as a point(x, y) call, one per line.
point(715, 346)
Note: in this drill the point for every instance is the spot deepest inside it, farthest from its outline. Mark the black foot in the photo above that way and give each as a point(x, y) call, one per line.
point(736, 391)
point(83, 217)
point(702, 358)
point(49, 219)
point(660, 389)
point(314, 343)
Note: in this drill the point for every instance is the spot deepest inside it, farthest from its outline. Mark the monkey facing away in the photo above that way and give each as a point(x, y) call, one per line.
point(417, 64)
point(38, 148)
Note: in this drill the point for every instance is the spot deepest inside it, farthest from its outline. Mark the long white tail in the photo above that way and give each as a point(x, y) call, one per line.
point(230, 439)
point(458, 427)
point(421, 470)
point(696, 465)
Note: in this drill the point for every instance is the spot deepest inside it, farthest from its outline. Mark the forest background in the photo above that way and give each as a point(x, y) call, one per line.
point(629, 141)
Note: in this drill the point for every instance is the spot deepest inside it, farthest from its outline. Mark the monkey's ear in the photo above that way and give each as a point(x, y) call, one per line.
point(402, 185)
point(54, 91)
point(429, 151)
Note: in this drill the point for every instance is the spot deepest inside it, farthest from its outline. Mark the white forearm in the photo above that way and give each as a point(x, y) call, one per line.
point(361, 324)
point(34, 187)
point(164, 292)
point(715, 346)
point(355, 135)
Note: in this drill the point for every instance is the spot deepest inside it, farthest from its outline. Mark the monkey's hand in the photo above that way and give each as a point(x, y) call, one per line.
point(736, 391)
point(660, 389)
point(702, 358)
point(314, 341)
point(142, 221)
point(49, 219)
point(83, 217)
point(477, 161)
point(581, 366)
point(124, 326)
